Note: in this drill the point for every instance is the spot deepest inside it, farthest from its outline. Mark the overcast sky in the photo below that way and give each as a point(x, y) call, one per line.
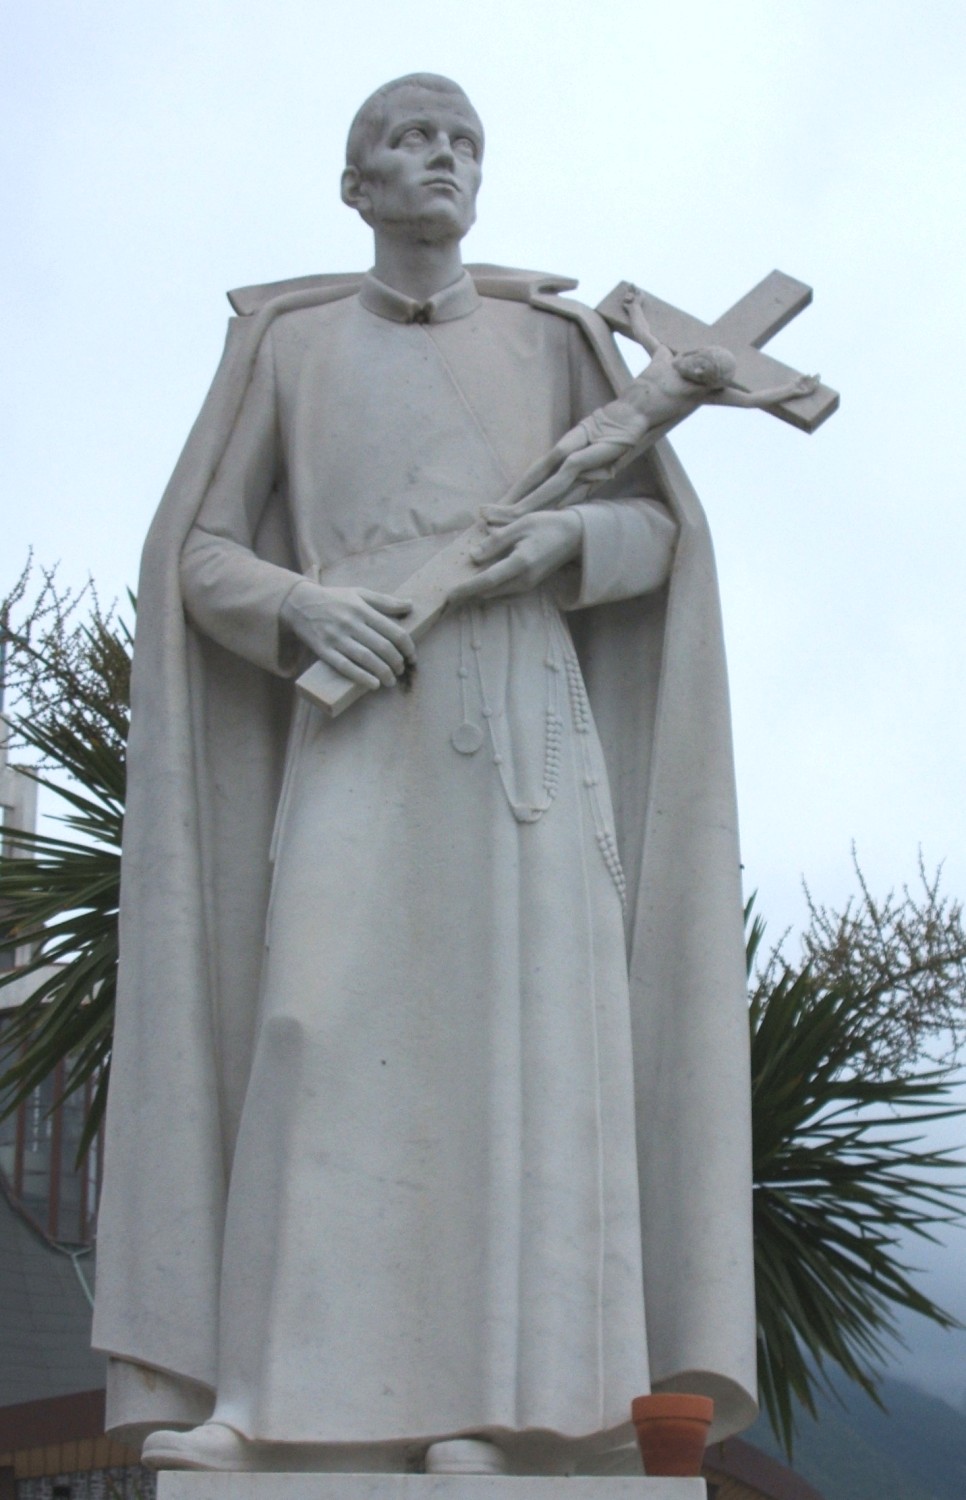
point(158, 152)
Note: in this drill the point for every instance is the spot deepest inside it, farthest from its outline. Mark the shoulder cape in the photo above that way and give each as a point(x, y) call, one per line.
point(205, 756)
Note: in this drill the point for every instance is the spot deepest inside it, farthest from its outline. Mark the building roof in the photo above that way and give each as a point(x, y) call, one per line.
point(45, 1313)
point(755, 1472)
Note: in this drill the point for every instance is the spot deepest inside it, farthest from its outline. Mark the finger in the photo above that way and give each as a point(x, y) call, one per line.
point(347, 668)
point(369, 661)
point(506, 576)
point(381, 646)
point(386, 629)
point(387, 604)
point(499, 543)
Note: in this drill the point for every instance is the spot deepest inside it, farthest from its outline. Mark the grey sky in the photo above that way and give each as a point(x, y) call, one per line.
point(154, 154)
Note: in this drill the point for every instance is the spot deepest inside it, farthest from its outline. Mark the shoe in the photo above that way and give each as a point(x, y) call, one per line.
point(465, 1456)
point(211, 1446)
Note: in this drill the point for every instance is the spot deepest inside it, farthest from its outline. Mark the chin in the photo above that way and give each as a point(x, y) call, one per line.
point(441, 224)
point(432, 229)
point(444, 225)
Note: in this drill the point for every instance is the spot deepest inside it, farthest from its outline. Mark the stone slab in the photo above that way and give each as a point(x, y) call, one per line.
point(197, 1486)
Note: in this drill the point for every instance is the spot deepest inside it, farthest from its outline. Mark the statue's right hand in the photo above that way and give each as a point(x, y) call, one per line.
point(356, 631)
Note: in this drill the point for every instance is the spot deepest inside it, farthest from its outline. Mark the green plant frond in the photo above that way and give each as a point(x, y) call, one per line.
point(65, 1020)
point(89, 908)
point(83, 1041)
point(754, 933)
point(60, 893)
point(101, 811)
point(87, 882)
point(95, 1114)
point(43, 1045)
point(850, 1271)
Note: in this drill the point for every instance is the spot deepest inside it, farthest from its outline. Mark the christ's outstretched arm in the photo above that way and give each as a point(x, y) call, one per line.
point(772, 395)
point(640, 327)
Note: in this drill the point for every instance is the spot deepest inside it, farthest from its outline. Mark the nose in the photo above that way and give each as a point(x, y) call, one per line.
point(441, 152)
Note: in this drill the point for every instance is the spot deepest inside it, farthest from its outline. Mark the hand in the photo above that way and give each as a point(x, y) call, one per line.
point(353, 630)
point(807, 385)
point(517, 557)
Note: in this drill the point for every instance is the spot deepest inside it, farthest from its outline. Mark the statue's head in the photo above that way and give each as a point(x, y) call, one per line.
point(712, 367)
point(413, 159)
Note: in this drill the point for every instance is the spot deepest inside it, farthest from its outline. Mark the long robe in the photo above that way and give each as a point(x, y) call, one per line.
point(432, 1215)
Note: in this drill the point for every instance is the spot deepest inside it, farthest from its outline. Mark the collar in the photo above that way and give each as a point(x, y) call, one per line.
point(457, 300)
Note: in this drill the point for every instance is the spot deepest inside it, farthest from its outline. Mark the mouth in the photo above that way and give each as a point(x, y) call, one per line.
point(442, 182)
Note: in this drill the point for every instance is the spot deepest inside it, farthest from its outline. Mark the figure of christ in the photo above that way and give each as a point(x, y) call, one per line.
point(394, 1117)
point(670, 388)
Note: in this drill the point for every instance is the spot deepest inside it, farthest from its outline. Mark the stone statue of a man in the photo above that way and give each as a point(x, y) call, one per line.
point(429, 1113)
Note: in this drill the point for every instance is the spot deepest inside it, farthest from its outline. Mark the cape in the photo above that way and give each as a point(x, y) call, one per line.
point(208, 735)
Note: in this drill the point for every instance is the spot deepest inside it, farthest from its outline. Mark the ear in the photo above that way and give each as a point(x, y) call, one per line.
point(353, 190)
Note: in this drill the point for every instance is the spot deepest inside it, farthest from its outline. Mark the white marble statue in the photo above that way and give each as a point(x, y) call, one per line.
point(428, 1138)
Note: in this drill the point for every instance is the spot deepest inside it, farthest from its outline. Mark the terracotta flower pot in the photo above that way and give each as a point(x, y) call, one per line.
point(672, 1430)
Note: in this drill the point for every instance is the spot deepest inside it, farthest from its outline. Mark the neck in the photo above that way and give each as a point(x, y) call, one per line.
point(417, 269)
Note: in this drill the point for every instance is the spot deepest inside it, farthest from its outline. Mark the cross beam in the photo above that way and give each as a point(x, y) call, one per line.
point(743, 329)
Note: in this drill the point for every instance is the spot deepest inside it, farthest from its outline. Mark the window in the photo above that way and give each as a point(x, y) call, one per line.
point(38, 1148)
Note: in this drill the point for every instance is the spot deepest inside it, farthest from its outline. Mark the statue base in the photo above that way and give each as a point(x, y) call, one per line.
point(192, 1485)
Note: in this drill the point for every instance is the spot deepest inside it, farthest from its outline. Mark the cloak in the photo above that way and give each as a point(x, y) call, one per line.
point(205, 764)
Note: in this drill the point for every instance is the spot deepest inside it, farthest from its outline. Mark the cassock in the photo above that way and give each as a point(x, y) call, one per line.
point(429, 1118)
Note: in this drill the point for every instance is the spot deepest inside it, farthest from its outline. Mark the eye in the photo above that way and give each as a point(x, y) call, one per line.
point(464, 146)
point(414, 136)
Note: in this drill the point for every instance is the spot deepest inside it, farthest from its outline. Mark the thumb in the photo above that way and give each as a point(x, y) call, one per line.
point(388, 604)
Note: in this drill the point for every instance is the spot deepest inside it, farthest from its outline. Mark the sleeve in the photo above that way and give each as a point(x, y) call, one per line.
point(230, 593)
point(628, 540)
point(628, 547)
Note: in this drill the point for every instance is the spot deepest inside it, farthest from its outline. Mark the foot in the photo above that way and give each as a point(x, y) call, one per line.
point(465, 1456)
point(211, 1446)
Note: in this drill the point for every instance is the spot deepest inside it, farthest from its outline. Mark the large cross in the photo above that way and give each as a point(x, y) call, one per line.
point(743, 329)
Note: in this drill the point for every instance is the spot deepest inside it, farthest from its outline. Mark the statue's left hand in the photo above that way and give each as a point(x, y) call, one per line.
point(517, 557)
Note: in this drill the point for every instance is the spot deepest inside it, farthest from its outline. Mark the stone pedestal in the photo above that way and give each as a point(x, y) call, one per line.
point(195, 1486)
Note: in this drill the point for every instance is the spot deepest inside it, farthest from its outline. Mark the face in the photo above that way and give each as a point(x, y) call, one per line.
point(421, 177)
point(702, 368)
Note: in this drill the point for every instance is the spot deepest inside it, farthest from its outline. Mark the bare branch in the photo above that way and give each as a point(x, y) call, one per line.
point(67, 661)
point(901, 962)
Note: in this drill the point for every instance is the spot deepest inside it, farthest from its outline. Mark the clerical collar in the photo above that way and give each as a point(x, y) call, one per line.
point(455, 301)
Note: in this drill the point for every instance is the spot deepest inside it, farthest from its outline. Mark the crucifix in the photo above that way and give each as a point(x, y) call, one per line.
point(692, 364)
point(743, 329)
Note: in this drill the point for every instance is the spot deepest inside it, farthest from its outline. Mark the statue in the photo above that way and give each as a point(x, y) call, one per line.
point(428, 1138)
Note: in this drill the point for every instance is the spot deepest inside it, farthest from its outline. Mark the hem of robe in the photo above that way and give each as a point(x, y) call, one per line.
point(526, 1449)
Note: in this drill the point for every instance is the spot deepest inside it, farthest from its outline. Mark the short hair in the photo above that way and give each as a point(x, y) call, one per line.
point(370, 118)
point(721, 366)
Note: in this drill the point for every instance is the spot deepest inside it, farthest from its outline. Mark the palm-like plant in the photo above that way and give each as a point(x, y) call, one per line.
point(60, 895)
point(838, 1178)
point(835, 1042)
